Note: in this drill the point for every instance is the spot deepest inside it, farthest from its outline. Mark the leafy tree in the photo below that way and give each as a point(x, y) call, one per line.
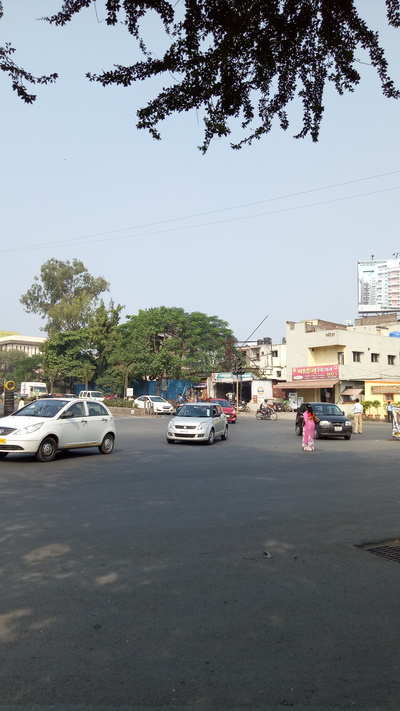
point(8, 363)
point(169, 342)
point(236, 59)
point(65, 355)
point(28, 368)
point(15, 365)
point(101, 334)
point(85, 371)
point(65, 294)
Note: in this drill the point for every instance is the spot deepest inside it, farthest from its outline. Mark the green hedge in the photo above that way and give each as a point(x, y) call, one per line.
point(120, 402)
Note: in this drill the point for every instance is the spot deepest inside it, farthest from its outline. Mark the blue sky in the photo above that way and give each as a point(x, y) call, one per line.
point(74, 165)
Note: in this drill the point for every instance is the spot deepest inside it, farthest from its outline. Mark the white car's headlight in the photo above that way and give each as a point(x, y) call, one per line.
point(201, 427)
point(29, 429)
point(324, 423)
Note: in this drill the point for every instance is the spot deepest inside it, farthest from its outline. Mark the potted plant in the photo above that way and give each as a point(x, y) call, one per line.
point(376, 404)
point(366, 405)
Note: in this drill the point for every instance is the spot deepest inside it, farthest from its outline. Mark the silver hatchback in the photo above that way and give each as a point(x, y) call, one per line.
point(198, 422)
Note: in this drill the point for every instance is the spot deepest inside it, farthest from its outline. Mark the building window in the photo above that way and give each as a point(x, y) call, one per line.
point(278, 373)
point(340, 358)
point(357, 356)
point(391, 359)
point(274, 354)
point(374, 357)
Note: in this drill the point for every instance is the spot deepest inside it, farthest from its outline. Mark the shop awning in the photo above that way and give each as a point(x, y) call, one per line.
point(307, 384)
point(352, 391)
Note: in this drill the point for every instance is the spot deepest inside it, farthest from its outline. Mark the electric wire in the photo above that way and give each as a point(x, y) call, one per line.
point(287, 196)
point(140, 237)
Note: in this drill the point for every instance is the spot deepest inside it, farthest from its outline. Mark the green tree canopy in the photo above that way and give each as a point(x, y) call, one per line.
point(102, 334)
point(66, 355)
point(236, 59)
point(169, 342)
point(65, 294)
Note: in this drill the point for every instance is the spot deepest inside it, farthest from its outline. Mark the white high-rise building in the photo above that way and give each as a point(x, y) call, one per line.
point(378, 285)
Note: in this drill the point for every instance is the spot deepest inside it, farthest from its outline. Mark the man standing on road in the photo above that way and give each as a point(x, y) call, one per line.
point(358, 413)
point(389, 411)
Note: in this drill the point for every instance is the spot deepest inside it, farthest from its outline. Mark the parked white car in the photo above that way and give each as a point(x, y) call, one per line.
point(92, 395)
point(199, 421)
point(45, 426)
point(157, 403)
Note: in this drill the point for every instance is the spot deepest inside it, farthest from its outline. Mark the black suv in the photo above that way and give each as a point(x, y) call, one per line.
point(332, 420)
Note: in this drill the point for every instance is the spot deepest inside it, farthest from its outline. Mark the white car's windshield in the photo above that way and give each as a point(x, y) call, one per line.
point(41, 408)
point(154, 398)
point(193, 411)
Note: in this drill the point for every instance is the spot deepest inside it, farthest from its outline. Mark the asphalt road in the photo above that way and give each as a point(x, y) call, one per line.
point(194, 577)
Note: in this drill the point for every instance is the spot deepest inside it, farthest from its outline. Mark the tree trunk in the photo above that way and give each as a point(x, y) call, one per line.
point(126, 376)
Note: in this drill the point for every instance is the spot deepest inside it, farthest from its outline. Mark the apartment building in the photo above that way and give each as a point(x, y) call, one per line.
point(331, 362)
point(265, 357)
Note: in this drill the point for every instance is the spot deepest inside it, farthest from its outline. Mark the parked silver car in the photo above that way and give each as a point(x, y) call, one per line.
point(199, 421)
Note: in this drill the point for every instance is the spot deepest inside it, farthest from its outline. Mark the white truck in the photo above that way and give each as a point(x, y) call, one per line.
point(33, 389)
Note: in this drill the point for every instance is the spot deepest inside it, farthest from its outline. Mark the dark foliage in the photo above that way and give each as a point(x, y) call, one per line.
point(18, 76)
point(245, 59)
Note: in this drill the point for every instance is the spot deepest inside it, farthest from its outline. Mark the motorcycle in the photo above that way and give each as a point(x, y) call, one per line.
point(266, 414)
point(243, 407)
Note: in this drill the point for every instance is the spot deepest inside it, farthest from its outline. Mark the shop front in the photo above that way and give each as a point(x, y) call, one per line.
point(379, 393)
point(319, 383)
point(229, 386)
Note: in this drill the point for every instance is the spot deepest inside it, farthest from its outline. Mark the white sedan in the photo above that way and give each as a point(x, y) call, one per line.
point(199, 421)
point(156, 403)
point(45, 426)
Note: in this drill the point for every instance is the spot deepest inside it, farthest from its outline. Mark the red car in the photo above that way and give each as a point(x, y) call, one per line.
point(227, 407)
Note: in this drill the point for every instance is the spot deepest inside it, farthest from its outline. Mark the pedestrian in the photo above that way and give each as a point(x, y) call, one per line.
point(358, 411)
point(309, 422)
point(389, 411)
point(21, 403)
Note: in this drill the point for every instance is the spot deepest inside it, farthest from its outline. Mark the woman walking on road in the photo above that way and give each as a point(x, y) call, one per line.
point(309, 429)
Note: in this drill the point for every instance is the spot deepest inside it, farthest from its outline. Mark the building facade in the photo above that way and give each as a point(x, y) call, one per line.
point(28, 345)
point(331, 362)
point(268, 359)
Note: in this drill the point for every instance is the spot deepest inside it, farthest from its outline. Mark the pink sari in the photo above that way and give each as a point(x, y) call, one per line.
point(308, 432)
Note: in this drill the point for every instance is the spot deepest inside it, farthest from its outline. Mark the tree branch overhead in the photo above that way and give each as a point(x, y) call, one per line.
point(237, 60)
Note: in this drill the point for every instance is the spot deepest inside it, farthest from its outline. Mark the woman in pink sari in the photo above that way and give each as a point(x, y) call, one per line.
point(308, 429)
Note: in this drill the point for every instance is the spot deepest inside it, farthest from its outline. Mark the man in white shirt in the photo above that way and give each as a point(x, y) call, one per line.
point(358, 413)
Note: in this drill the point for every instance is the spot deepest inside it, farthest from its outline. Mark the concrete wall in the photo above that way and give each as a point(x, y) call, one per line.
point(261, 390)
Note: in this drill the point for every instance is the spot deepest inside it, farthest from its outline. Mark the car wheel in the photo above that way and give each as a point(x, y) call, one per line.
point(298, 430)
point(347, 436)
point(3, 455)
point(47, 450)
point(107, 444)
point(211, 437)
point(225, 435)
